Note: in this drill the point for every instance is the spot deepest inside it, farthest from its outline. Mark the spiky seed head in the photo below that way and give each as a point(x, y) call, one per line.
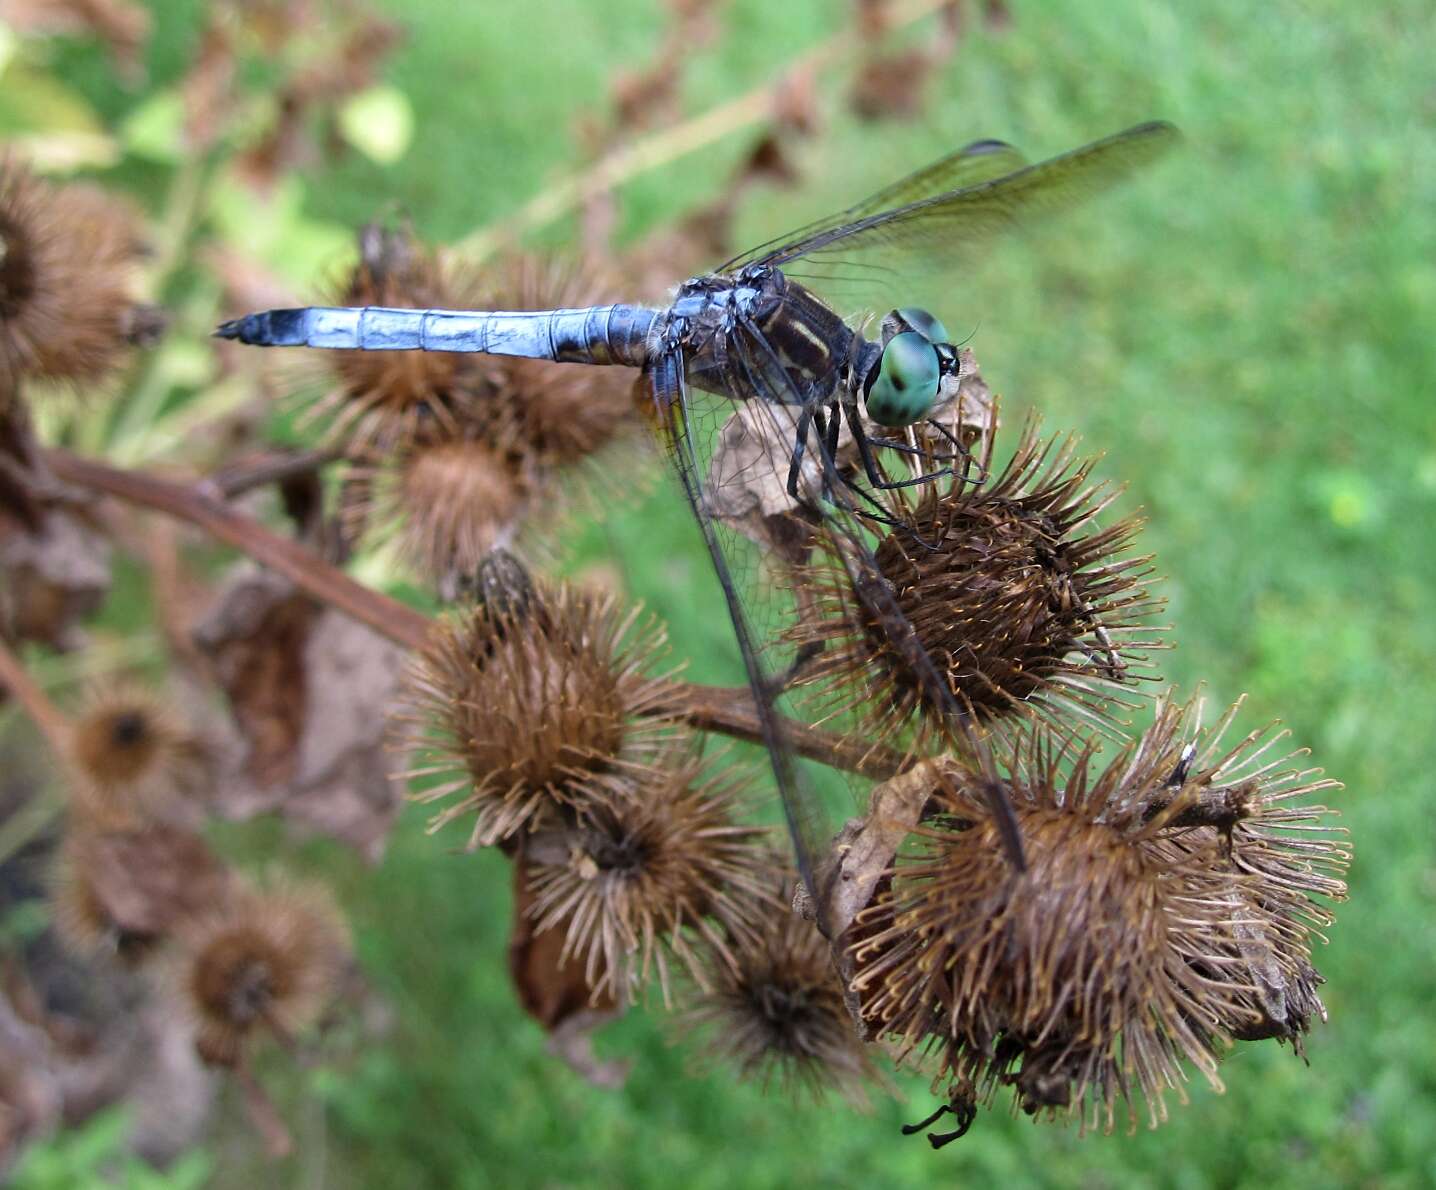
point(67, 260)
point(1125, 949)
point(448, 502)
point(78, 911)
point(124, 892)
point(774, 1009)
point(269, 960)
point(377, 400)
point(565, 415)
point(131, 756)
point(1248, 803)
point(1025, 606)
point(533, 714)
point(665, 864)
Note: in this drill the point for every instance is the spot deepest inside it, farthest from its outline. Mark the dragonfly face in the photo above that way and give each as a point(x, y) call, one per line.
point(916, 356)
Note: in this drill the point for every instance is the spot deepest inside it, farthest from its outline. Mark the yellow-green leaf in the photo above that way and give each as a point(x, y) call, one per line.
point(379, 123)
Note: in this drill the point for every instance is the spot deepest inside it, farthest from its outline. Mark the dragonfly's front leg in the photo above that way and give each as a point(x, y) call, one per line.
point(800, 445)
point(870, 465)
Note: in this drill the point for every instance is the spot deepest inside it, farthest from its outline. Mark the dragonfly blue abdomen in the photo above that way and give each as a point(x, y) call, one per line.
point(614, 334)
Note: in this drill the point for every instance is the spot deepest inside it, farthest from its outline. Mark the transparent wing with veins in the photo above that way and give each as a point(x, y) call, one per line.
point(938, 223)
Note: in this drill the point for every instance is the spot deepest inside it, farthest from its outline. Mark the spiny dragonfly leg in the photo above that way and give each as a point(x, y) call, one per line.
point(829, 424)
point(962, 451)
point(831, 476)
point(962, 1105)
point(800, 444)
point(870, 465)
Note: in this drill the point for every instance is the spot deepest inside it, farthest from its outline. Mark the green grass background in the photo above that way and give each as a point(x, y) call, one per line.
point(1250, 337)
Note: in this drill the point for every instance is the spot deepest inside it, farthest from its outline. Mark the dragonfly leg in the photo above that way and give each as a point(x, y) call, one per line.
point(832, 478)
point(961, 452)
point(870, 465)
point(800, 443)
point(829, 425)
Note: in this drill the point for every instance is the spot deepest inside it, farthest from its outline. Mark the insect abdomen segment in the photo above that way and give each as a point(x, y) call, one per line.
point(615, 334)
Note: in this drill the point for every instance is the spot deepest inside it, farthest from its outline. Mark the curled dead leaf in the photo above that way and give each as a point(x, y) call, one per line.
point(311, 693)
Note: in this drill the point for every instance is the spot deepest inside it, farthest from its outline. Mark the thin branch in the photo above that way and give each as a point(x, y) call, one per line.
point(391, 619)
point(262, 1113)
point(709, 708)
point(670, 144)
point(35, 702)
point(235, 480)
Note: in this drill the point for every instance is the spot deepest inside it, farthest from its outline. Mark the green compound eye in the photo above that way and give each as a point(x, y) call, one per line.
point(907, 380)
point(925, 324)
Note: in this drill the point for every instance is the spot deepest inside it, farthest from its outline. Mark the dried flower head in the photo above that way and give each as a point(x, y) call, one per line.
point(774, 1008)
point(565, 414)
point(67, 256)
point(1243, 803)
point(634, 875)
point(379, 399)
point(269, 959)
point(1124, 950)
point(126, 891)
point(448, 502)
point(1022, 603)
point(131, 756)
point(537, 709)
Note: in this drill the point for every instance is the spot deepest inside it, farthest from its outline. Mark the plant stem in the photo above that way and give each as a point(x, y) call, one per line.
point(34, 701)
point(232, 481)
point(709, 708)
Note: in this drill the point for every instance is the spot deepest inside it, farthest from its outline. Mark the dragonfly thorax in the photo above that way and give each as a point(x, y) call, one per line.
point(761, 335)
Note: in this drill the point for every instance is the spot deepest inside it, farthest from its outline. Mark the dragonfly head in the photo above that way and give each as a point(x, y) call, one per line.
point(916, 355)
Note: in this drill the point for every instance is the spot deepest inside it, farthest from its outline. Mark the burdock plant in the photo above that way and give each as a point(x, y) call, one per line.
point(1022, 600)
point(132, 757)
point(1167, 907)
point(772, 1006)
point(659, 867)
point(532, 713)
point(457, 453)
point(68, 256)
point(267, 961)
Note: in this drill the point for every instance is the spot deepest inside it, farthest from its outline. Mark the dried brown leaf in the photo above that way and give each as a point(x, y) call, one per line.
point(890, 86)
point(311, 693)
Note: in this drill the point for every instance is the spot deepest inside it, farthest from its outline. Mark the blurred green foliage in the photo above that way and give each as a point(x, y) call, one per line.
point(93, 1154)
point(1247, 335)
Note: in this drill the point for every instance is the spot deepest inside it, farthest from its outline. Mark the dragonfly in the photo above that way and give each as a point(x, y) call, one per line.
point(779, 334)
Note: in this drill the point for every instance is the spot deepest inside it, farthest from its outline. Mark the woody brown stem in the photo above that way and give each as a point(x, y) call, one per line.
point(709, 708)
point(391, 619)
point(262, 1113)
point(36, 703)
point(234, 481)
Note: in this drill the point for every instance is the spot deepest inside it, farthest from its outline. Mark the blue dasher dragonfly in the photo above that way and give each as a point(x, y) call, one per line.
point(766, 335)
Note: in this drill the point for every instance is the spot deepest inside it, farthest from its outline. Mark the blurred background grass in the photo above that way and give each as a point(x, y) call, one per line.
point(1248, 336)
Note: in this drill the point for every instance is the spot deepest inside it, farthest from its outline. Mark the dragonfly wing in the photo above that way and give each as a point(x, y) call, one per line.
point(889, 252)
point(978, 162)
point(802, 811)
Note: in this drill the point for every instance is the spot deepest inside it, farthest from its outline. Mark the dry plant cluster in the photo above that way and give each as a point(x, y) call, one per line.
point(1177, 876)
